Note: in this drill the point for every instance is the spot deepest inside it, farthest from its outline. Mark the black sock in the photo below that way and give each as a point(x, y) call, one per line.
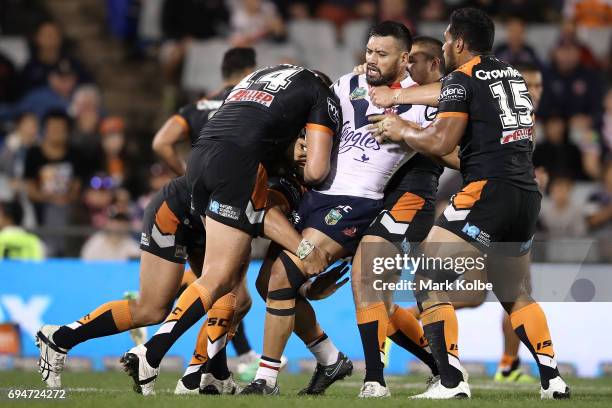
point(160, 343)
point(407, 344)
point(374, 366)
point(192, 380)
point(449, 375)
point(240, 341)
point(217, 365)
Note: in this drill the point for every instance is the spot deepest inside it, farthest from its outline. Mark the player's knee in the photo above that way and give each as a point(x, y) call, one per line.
point(148, 314)
point(261, 284)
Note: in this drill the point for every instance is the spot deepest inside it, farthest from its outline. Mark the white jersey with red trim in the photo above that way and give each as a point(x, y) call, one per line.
point(361, 167)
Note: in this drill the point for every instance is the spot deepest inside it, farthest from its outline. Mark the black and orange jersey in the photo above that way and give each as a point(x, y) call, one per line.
point(266, 111)
point(498, 140)
point(194, 116)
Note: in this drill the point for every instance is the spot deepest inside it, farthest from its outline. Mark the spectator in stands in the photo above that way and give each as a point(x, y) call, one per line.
point(113, 243)
point(589, 13)
point(48, 49)
point(599, 211)
point(12, 155)
point(515, 50)
point(606, 125)
point(434, 10)
point(339, 12)
point(556, 154)
point(560, 216)
point(52, 177)
point(98, 197)
point(569, 34)
point(570, 88)
point(115, 160)
point(85, 110)
point(16, 242)
point(54, 96)
point(10, 87)
point(182, 22)
point(396, 10)
point(253, 21)
point(583, 134)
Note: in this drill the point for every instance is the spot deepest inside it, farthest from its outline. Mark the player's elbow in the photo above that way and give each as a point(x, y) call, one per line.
point(314, 175)
point(159, 144)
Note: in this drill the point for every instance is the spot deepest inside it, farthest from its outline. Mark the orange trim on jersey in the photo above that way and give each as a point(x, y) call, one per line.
point(469, 66)
point(406, 207)
point(165, 219)
point(452, 115)
point(259, 196)
point(468, 196)
point(321, 128)
point(182, 122)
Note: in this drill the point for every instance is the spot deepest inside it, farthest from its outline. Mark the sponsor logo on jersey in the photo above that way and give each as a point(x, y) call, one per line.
point(144, 239)
point(180, 251)
point(333, 216)
point(332, 110)
point(477, 234)
point(453, 92)
point(497, 74)
point(224, 210)
point(358, 93)
point(510, 136)
point(205, 104)
point(349, 139)
point(246, 95)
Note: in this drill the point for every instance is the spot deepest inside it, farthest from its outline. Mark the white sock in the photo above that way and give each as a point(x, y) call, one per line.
point(324, 350)
point(268, 370)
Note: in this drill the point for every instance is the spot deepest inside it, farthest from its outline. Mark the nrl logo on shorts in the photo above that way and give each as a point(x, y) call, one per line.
point(333, 217)
point(358, 93)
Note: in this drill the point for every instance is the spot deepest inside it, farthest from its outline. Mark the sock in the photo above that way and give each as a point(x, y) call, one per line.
point(189, 308)
point(220, 318)
point(406, 331)
point(529, 324)
point(442, 332)
point(191, 378)
point(217, 365)
point(240, 341)
point(372, 323)
point(324, 350)
point(110, 318)
point(268, 370)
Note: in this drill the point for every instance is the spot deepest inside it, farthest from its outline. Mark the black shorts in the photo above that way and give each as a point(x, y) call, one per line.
point(228, 185)
point(405, 219)
point(493, 214)
point(286, 192)
point(342, 218)
point(168, 229)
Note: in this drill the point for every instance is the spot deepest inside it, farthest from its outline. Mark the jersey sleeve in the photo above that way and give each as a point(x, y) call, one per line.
point(325, 113)
point(184, 116)
point(455, 96)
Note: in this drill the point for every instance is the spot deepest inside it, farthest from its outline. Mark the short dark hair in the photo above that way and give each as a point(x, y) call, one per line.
point(13, 210)
point(527, 67)
point(433, 45)
point(236, 60)
point(393, 29)
point(57, 114)
point(475, 27)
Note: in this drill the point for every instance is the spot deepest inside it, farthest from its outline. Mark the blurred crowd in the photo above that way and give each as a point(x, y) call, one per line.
point(68, 169)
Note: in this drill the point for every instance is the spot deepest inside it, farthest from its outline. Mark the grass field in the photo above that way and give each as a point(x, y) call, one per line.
point(114, 389)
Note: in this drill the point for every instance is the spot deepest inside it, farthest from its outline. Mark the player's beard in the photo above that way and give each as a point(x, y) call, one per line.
point(383, 79)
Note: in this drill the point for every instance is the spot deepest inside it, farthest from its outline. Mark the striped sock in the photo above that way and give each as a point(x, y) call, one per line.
point(268, 370)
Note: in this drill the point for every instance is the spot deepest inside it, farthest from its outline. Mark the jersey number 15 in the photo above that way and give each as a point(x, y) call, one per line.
point(519, 114)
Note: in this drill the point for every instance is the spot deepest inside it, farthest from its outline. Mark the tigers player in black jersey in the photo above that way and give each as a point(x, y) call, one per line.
point(189, 120)
point(485, 108)
point(227, 176)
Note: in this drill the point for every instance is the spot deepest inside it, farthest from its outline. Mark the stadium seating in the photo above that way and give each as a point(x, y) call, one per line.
point(16, 49)
point(149, 25)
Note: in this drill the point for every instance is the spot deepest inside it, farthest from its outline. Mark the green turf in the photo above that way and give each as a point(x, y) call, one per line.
point(114, 389)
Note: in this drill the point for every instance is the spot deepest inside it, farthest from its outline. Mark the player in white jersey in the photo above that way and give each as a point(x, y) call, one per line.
point(335, 216)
